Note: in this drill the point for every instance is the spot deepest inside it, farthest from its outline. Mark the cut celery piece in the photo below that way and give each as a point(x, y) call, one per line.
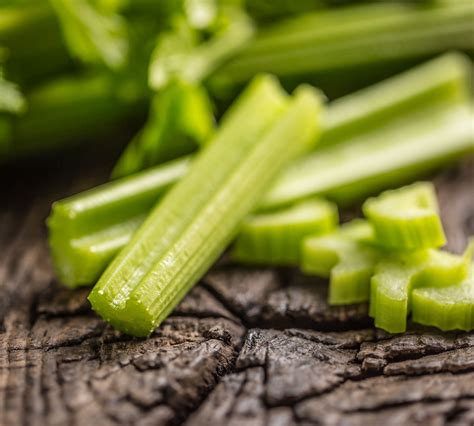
point(406, 218)
point(87, 230)
point(352, 37)
point(392, 155)
point(430, 83)
point(196, 220)
point(448, 308)
point(275, 238)
point(181, 119)
point(346, 257)
point(399, 273)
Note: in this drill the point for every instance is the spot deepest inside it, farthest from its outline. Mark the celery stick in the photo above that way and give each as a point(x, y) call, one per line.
point(275, 238)
point(195, 221)
point(431, 83)
point(388, 157)
point(399, 273)
point(406, 218)
point(448, 308)
point(347, 257)
point(181, 119)
point(87, 230)
point(354, 36)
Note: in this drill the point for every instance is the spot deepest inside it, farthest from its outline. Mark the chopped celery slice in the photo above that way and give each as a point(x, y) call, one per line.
point(346, 257)
point(181, 119)
point(276, 237)
point(448, 308)
point(87, 230)
point(398, 274)
point(94, 33)
point(392, 155)
point(352, 37)
point(195, 221)
point(406, 218)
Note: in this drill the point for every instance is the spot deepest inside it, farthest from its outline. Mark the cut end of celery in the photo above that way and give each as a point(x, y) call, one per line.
point(406, 218)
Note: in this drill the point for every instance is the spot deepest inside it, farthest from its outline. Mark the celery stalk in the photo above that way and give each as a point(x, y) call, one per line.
point(275, 238)
point(195, 221)
point(328, 41)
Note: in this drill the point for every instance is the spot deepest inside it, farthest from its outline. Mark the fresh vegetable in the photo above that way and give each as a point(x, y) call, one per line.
point(398, 274)
point(347, 257)
point(448, 308)
point(275, 238)
point(406, 218)
point(393, 155)
point(346, 172)
point(87, 230)
point(196, 220)
point(351, 37)
point(181, 119)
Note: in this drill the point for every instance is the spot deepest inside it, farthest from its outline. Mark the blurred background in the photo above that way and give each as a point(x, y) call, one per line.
point(146, 81)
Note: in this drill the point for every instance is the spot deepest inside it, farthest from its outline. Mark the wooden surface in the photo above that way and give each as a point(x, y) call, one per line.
point(246, 347)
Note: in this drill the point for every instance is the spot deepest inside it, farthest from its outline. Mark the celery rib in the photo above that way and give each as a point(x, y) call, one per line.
point(354, 36)
point(188, 230)
point(275, 238)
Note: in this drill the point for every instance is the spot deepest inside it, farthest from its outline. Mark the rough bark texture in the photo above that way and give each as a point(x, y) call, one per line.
point(247, 346)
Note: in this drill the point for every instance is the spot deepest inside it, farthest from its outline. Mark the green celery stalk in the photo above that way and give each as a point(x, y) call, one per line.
point(397, 275)
point(352, 37)
point(347, 257)
point(181, 119)
point(198, 218)
point(275, 238)
point(87, 230)
point(393, 155)
point(448, 308)
point(406, 218)
point(365, 169)
point(73, 109)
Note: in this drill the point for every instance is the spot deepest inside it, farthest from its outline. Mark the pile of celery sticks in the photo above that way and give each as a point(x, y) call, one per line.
point(263, 119)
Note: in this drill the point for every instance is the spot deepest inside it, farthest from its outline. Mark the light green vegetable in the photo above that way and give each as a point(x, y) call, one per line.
point(198, 218)
point(397, 275)
point(181, 119)
point(406, 218)
point(347, 257)
point(448, 308)
point(275, 238)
